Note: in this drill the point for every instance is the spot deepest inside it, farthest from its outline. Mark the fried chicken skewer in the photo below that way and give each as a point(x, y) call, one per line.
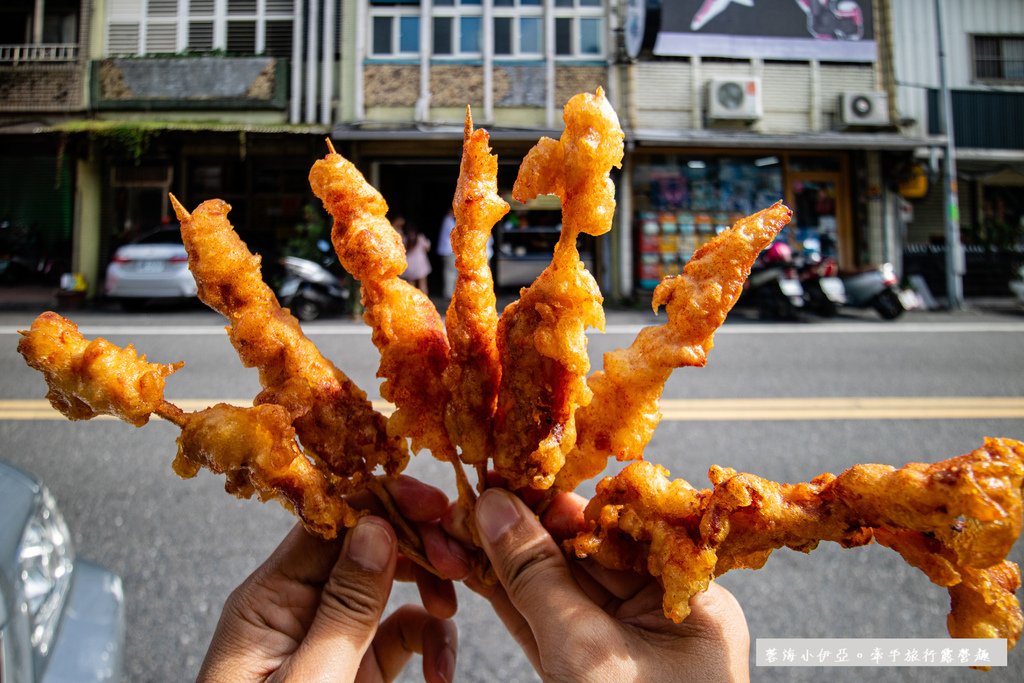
point(620, 419)
point(333, 417)
point(407, 328)
point(473, 371)
point(255, 447)
point(541, 340)
point(956, 520)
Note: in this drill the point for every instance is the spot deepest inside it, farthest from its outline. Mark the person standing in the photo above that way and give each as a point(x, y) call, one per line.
point(444, 250)
point(417, 250)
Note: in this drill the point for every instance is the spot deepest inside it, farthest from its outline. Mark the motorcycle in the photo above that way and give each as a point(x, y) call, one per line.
point(876, 288)
point(310, 290)
point(823, 288)
point(774, 285)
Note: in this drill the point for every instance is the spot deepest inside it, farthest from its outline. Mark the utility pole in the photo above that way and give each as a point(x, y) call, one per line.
point(955, 265)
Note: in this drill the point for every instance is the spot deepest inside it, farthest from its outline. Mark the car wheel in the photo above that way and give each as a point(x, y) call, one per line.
point(305, 310)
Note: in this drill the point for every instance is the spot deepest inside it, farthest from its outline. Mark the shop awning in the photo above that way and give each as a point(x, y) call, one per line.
point(744, 139)
point(437, 132)
point(654, 138)
point(102, 125)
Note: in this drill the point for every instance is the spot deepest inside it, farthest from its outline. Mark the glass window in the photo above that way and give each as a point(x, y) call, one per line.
point(382, 36)
point(442, 35)
point(469, 35)
point(409, 34)
point(999, 58)
point(502, 35)
point(530, 35)
point(563, 36)
point(590, 36)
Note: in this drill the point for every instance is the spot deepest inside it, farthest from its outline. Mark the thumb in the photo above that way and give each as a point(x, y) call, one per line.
point(351, 605)
point(531, 567)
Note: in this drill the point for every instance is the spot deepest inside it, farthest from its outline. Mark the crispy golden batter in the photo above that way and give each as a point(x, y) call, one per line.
point(473, 372)
point(90, 378)
point(255, 449)
point(956, 520)
point(514, 387)
point(541, 340)
point(333, 417)
point(407, 328)
point(622, 416)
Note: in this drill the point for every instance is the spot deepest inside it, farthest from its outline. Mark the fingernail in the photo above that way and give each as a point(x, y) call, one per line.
point(446, 664)
point(369, 546)
point(496, 512)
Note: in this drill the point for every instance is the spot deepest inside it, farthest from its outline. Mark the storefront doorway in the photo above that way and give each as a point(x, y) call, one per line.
point(817, 189)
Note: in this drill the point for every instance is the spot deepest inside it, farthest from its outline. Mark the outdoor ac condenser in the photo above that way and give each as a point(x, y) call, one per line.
point(868, 108)
point(734, 99)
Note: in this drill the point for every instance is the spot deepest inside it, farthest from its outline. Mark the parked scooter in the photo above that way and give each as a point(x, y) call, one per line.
point(310, 290)
point(876, 288)
point(823, 288)
point(774, 285)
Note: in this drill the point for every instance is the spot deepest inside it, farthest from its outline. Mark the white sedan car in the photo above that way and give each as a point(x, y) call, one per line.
point(62, 618)
point(155, 266)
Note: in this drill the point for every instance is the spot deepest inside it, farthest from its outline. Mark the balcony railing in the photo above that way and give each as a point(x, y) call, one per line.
point(38, 53)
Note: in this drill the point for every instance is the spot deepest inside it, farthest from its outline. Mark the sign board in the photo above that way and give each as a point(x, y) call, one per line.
point(830, 30)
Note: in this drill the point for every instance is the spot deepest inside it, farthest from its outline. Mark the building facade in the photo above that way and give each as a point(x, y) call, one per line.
point(984, 46)
point(726, 108)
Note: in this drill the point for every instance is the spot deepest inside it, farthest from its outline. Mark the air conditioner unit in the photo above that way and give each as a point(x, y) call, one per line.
point(734, 99)
point(863, 109)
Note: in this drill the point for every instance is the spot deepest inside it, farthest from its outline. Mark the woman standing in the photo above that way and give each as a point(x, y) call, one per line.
point(417, 250)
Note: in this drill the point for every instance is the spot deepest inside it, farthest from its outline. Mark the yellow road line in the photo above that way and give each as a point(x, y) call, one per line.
point(715, 409)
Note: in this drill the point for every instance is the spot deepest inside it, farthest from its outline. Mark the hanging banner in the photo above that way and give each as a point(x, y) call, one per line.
point(829, 30)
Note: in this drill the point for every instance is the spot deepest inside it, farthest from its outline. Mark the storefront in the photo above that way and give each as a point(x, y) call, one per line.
point(683, 198)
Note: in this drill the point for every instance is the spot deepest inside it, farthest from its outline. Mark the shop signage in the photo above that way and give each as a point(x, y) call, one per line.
point(833, 30)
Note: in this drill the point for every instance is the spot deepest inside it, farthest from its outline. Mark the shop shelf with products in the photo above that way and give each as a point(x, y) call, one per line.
point(525, 241)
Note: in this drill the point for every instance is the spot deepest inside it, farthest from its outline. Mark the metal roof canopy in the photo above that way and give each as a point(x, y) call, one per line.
point(444, 132)
point(741, 139)
point(655, 138)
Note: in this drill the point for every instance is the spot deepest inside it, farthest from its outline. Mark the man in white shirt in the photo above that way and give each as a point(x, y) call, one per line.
point(444, 250)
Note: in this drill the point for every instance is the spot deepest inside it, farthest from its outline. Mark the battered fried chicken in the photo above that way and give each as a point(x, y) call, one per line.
point(254, 447)
point(956, 520)
point(541, 340)
point(332, 416)
point(473, 372)
point(620, 419)
point(90, 378)
point(407, 328)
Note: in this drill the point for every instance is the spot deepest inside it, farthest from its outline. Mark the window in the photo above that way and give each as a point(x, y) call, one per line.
point(579, 28)
point(246, 27)
point(999, 58)
point(395, 29)
point(458, 28)
point(517, 28)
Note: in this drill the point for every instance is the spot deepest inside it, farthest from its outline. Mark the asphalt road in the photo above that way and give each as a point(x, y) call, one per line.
point(182, 546)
